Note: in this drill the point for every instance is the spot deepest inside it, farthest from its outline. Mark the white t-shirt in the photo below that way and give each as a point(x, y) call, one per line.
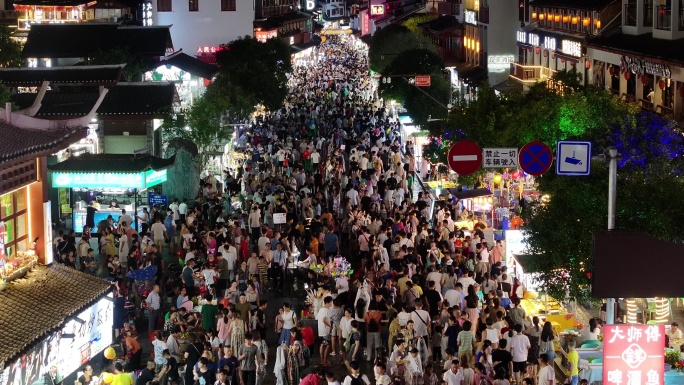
point(452, 378)
point(174, 207)
point(190, 255)
point(454, 297)
point(546, 374)
point(183, 208)
point(466, 282)
point(323, 329)
point(353, 196)
point(288, 319)
point(345, 325)
point(343, 284)
point(231, 256)
point(158, 230)
point(420, 328)
point(485, 255)
point(519, 346)
point(209, 276)
point(127, 219)
point(315, 157)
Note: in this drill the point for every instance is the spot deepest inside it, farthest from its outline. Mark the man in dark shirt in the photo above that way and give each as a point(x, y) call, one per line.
point(148, 374)
point(433, 298)
point(378, 302)
point(172, 365)
point(501, 357)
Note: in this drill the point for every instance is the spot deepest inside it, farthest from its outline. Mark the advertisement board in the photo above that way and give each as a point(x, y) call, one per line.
point(95, 180)
point(81, 338)
point(633, 354)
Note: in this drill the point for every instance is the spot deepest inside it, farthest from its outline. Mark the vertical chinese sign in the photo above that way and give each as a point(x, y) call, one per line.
point(633, 354)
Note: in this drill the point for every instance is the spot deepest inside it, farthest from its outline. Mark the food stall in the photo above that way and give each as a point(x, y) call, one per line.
point(113, 181)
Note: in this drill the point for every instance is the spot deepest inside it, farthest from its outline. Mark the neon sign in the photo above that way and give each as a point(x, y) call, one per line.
point(633, 354)
point(378, 9)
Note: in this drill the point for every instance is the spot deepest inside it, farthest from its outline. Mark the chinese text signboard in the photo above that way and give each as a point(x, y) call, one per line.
point(633, 354)
point(499, 157)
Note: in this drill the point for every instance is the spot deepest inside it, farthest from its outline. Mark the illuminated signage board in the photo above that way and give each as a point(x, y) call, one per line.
point(68, 349)
point(377, 9)
point(262, 36)
point(500, 62)
point(147, 13)
point(309, 5)
point(93, 180)
point(572, 48)
point(633, 354)
point(566, 47)
point(470, 17)
point(641, 67)
point(365, 25)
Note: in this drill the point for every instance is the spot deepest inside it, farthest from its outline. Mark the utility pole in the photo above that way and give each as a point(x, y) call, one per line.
point(613, 157)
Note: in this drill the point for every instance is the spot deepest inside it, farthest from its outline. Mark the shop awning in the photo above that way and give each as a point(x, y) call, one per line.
point(645, 47)
point(121, 171)
point(43, 302)
point(468, 194)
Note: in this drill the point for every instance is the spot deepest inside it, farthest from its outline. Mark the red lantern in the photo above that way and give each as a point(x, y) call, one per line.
point(207, 82)
point(587, 64)
point(627, 75)
point(611, 70)
point(562, 60)
point(537, 50)
point(644, 79)
point(661, 84)
point(546, 53)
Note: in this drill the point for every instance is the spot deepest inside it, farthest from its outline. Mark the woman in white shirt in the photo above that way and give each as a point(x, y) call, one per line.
point(289, 322)
point(589, 334)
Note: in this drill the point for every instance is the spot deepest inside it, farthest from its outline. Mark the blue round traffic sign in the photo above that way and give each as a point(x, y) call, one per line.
point(535, 158)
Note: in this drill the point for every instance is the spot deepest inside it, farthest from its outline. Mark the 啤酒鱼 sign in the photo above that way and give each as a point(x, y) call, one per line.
point(633, 354)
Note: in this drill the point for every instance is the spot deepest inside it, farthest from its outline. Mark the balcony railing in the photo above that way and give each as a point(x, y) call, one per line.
point(663, 17)
point(631, 15)
point(648, 14)
point(530, 74)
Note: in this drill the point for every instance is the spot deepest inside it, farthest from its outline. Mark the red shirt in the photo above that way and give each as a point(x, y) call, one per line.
point(308, 336)
point(311, 379)
point(305, 155)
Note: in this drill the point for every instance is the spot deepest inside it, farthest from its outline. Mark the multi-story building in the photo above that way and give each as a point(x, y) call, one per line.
point(556, 35)
point(202, 26)
point(282, 18)
point(31, 12)
point(643, 60)
point(488, 41)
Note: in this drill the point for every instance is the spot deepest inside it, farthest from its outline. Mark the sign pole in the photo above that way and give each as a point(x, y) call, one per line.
point(612, 198)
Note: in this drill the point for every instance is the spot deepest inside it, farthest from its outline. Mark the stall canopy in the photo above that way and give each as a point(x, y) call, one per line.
point(43, 302)
point(113, 171)
point(469, 194)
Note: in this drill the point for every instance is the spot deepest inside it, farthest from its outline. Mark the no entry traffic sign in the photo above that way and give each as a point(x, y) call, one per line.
point(465, 157)
point(535, 158)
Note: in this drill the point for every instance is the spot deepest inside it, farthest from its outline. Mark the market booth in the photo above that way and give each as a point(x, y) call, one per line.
point(113, 181)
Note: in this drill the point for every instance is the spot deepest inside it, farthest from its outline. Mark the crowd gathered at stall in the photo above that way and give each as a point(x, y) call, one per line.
point(323, 204)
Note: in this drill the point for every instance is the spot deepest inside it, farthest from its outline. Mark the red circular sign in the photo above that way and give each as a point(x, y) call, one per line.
point(465, 157)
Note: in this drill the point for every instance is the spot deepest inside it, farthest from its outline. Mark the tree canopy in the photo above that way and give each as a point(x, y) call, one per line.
point(559, 231)
point(10, 49)
point(135, 64)
point(424, 102)
point(389, 42)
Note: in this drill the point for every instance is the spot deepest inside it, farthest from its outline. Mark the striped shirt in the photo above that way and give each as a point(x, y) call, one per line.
point(153, 300)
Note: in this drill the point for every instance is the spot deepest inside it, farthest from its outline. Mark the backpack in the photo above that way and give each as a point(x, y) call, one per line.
point(356, 380)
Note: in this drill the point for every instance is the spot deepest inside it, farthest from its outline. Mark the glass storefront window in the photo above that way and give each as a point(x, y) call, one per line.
point(14, 213)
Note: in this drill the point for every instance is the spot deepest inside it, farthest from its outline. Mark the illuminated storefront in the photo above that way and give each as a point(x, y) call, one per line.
point(114, 182)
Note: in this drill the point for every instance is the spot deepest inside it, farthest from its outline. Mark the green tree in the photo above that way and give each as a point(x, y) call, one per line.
point(10, 49)
point(259, 69)
point(135, 64)
point(420, 102)
point(413, 23)
point(388, 43)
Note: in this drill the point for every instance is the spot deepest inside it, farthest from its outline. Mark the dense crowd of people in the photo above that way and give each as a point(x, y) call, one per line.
point(326, 176)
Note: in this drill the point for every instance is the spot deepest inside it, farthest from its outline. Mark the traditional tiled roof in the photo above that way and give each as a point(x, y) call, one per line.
point(19, 143)
point(573, 4)
point(99, 75)
point(643, 46)
point(142, 100)
point(87, 39)
point(115, 163)
point(190, 64)
point(41, 302)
